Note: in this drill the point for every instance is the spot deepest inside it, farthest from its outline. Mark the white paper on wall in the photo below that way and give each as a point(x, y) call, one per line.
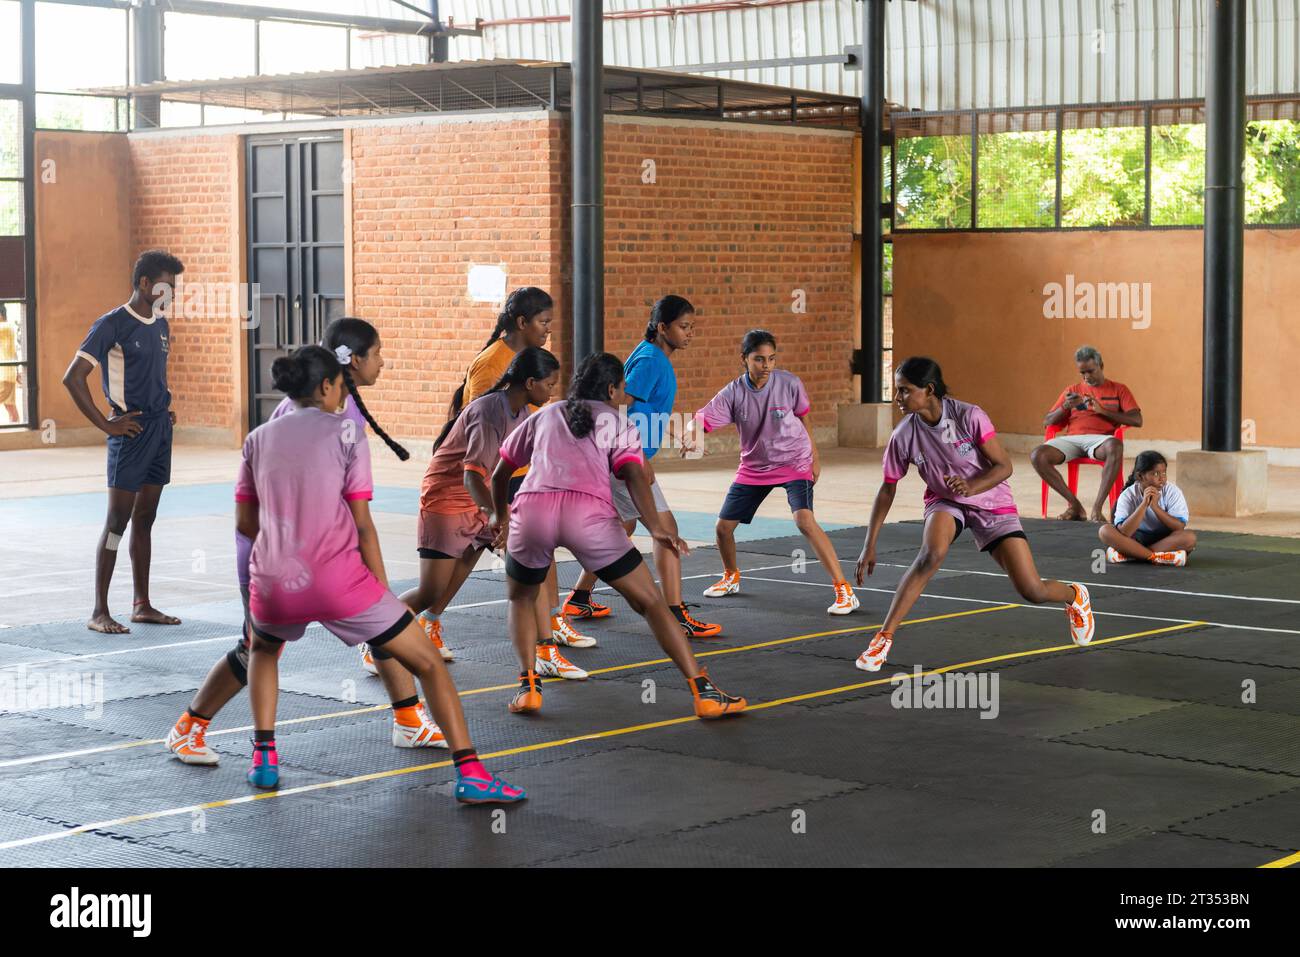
point(487, 283)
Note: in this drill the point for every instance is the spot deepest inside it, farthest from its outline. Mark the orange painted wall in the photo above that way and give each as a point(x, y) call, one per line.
point(974, 302)
point(83, 253)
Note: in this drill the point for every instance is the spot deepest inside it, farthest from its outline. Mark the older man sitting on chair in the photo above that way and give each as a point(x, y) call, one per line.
point(1090, 412)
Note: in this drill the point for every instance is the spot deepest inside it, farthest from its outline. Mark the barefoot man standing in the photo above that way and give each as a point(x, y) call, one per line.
point(130, 347)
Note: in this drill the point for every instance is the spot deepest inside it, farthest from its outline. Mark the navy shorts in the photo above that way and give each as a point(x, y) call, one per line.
point(1147, 539)
point(742, 501)
point(145, 459)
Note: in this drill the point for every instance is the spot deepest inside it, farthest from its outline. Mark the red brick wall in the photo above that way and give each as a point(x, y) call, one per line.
point(737, 219)
point(429, 200)
point(185, 194)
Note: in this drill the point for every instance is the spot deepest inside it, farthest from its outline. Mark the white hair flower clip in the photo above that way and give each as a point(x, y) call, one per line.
point(344, 355)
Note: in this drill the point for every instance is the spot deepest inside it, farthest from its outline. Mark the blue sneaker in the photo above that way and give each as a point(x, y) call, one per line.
point(479, 791)
point(265, 772)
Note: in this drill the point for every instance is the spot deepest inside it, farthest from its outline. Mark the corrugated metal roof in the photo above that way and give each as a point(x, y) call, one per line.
point(471, 85)
point(943, 54)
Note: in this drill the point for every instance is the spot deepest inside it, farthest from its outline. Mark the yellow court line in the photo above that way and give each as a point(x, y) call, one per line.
point(372, 709)
point(542, 746)
point(1284, 861)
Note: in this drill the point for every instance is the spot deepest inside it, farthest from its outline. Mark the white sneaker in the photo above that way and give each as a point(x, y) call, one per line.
point(552, 664)
point(426, 734)
point(562, 633)
point(1082, 623)
point(873, 659)
point(728, 584)
point(845, 601)
point(368, 660)
point(1177, 558)
point(190, 747)
point(1115, 558)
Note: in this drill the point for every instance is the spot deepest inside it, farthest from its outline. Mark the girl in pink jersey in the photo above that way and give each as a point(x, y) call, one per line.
point(357, 346)
point(455, 501)
point(769, 407)
point(565, 500)
point(303, 499)
point(965, 469)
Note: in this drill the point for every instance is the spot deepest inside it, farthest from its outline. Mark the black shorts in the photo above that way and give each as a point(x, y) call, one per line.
point(513, 487)
point(742, 500)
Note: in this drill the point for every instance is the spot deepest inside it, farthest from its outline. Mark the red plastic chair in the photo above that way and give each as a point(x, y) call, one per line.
point(1072, 474)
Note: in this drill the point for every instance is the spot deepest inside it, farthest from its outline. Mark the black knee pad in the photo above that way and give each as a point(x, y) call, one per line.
point(237, 659)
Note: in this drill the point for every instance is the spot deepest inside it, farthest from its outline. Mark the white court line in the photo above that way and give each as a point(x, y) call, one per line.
point(1163, 591)
point(1047, 607)
point(233, 637)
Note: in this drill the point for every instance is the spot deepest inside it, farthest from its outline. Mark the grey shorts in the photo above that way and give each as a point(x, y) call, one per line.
point(627, 510)
point(1078, 446)
point(379, 623)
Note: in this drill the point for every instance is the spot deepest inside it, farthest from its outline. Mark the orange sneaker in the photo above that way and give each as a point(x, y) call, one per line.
point(185, 740)
point(693, 628)
point(873, 659)
point(528, 699)
point(711, 701)
point(1079, 612)
point(562, 633)
point(433, 629)
point(728, 584)
point(1177, 558)
point(584, 609)
point(845, 601)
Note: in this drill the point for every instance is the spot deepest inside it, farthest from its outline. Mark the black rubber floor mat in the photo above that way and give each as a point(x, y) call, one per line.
point(1232, 737)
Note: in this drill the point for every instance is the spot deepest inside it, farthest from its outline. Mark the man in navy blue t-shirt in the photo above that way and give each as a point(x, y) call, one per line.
point(129, 346)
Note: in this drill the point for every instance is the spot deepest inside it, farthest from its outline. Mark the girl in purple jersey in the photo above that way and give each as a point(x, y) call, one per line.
point(566, 501)
point(769, 408)
point(965, 469)
point(303, 498)
point(356, 344)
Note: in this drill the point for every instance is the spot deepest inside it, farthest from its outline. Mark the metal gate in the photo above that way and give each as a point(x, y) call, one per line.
point(295, 251)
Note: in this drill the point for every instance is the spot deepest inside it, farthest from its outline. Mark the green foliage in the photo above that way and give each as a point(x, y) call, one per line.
point(1017, 179)
point(1102, 181)
point(934, 182)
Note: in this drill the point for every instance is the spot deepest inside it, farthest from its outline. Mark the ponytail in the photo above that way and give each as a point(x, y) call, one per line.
point(524, 303)
point(592, 381)
point(664, 312)
point(1144, 462)
point(349, 337)
point(530, 363)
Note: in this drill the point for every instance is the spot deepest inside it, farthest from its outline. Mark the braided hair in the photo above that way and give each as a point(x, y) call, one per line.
point(593, 379)
point(358, 337)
